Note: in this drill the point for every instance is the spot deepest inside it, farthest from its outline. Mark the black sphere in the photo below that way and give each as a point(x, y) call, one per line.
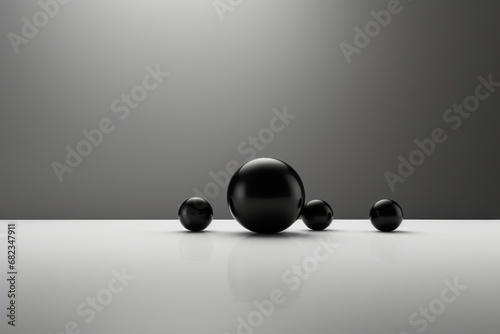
point(386, 215)
point(195, 214)
point(265, 195)
point(317, 215)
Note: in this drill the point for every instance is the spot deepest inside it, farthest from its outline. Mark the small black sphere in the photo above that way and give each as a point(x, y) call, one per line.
point(317, 215)
point(265, 195)
point(195, 214)
point(386, 215)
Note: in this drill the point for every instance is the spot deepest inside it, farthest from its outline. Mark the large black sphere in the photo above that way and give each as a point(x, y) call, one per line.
point(195, 214)
point(317, 215)
point(386, 215)
point(265, 195)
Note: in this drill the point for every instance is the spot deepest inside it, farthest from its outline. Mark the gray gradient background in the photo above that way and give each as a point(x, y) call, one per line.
point(353, 120)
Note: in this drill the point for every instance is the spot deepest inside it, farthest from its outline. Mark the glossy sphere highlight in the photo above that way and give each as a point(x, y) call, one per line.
point(386, 215)
point(317, 215)
point(265, 195)
point(195, 214)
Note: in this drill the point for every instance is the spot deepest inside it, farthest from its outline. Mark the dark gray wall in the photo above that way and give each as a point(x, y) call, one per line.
point(352, 119)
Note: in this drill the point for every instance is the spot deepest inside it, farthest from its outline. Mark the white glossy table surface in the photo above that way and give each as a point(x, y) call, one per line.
point(428, 277)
